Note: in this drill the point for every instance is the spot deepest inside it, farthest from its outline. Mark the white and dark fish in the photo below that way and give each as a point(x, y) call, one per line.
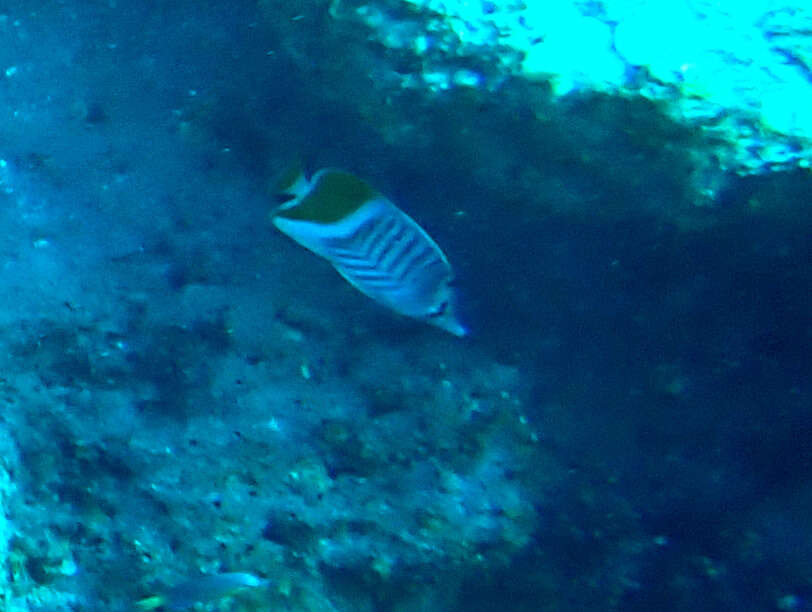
point(374, 245)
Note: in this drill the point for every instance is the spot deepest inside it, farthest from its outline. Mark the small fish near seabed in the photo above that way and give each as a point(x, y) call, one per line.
point(205, 589)
point(375, 246)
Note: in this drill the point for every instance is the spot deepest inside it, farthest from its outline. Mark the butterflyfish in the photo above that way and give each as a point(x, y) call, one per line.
point(375, 246)
point(205, 589)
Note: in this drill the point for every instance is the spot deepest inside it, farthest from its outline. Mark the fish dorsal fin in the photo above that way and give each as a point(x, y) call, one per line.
point(291, 181)
point(333, 196)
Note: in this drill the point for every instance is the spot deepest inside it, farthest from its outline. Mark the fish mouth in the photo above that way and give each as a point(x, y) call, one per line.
point(450, 324)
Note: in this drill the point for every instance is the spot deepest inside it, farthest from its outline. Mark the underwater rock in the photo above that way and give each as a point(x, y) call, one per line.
point(738, 73)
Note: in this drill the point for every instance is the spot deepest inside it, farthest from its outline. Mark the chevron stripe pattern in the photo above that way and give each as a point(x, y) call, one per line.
point(374, 245)
point(391, 259)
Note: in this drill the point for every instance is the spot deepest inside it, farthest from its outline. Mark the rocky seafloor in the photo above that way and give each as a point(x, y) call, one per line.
point(187, 393)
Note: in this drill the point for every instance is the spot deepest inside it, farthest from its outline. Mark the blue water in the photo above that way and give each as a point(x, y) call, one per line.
point(185, 390)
